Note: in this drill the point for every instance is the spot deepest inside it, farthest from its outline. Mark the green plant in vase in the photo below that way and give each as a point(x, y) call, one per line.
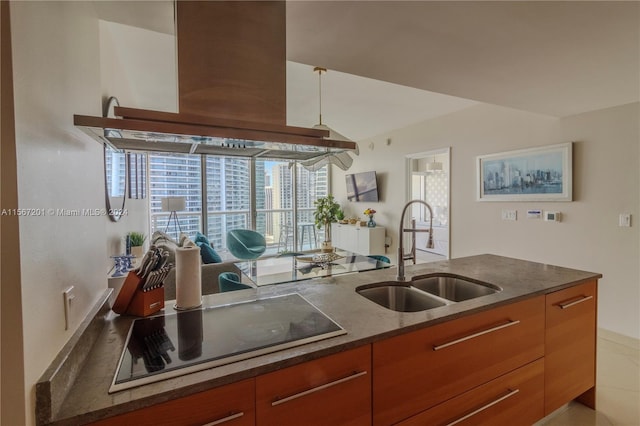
point(327, 210)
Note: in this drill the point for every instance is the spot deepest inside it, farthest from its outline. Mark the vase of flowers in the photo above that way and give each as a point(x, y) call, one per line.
point(371, 223)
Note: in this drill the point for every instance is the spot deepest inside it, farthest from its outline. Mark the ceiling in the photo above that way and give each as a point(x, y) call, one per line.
point(422, 59)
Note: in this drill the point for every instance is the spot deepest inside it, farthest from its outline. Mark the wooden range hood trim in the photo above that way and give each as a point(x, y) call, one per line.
point(195, 130)
point(201, 120)
point(232, 59)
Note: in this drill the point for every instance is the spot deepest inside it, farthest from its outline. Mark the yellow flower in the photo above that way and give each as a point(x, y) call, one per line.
point(369, 212)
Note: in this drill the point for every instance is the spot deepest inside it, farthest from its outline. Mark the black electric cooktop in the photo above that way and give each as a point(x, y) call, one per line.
point(172, 345)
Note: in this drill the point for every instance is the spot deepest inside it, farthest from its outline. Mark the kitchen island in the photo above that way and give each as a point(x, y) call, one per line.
point(376, 336)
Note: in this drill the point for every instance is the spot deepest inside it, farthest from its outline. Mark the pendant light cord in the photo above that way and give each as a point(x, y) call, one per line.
point(320, 71)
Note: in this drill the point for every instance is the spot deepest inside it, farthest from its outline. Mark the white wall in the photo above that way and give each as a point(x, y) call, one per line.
point(138, 67)
point(57, 72)
point(606, 178)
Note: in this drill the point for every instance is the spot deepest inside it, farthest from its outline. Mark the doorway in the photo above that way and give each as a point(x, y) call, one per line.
point(428, 179)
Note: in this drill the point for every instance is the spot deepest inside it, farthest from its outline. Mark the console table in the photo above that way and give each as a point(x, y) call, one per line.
point(358, 239)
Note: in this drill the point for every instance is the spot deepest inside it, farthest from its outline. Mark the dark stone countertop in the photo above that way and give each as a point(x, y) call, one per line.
point(365, 322)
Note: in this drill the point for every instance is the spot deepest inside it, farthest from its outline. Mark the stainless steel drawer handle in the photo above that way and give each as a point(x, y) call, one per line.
point(565, 305)
point(474, 335)
point(225, 419)
point(318, 388)
point(484, 407)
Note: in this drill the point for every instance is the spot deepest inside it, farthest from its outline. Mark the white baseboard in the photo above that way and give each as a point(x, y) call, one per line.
point(618, 338)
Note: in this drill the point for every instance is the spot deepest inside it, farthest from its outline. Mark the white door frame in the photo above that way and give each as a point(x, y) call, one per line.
point(407, 168)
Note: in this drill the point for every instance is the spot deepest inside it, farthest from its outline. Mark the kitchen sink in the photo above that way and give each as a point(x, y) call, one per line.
point(425, 292)
point(453, 288)
point(399, 297)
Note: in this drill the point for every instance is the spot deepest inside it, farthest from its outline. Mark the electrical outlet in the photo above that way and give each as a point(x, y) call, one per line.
point(624, 220)
point(68, 296)
point(509, 214)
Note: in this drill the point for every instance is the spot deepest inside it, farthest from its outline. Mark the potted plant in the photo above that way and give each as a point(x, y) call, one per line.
point(326, 212)
point(136, 241)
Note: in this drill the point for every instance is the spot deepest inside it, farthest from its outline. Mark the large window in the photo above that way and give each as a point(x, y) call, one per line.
point(228, 192)
point(175, 175)
point(273, 197)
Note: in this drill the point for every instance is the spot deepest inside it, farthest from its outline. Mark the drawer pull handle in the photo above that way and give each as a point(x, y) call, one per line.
point(474, 335)
point(484, 407)
point(565, 305)
point(225, 419)
point(355, 375)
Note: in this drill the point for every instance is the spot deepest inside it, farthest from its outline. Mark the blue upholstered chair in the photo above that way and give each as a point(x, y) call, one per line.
point(246, 244)
point(230, 281)
point(379, 257)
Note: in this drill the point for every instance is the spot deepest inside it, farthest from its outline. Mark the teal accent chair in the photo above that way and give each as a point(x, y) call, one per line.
point(246, 244)
point(379, 257)
point(230, 281)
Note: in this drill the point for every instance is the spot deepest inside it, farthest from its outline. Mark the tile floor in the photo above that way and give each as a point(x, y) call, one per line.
point(617, 390)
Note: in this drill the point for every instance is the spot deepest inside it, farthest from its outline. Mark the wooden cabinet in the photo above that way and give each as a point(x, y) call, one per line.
point(570, 355)
point(509, 365)
point(334, 390)
point(514, 399)
point(421, 369)
point(361, 240)
point(230, 405)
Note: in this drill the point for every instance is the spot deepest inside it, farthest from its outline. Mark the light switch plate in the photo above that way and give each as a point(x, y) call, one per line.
point(509, 214)
point(624, 220)
point(68, 296)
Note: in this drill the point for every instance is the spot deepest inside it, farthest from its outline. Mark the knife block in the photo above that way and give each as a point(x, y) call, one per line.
point(133, 301)
point(145, 303)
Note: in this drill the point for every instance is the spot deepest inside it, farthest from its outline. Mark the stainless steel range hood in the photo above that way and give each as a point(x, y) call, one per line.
point(231, 91)
point(144, 130)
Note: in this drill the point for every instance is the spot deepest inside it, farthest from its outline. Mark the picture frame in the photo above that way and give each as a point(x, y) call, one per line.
point(533, 174)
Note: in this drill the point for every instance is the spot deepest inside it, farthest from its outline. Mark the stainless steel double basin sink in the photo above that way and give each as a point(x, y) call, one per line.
point(425, 292)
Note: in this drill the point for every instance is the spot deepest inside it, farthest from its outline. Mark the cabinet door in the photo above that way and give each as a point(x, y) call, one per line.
point(418, 370)
point(570, 352)
point(340, 235)
point(515, 399)
point(334, 390)
point(230, 405)
point(362, 241)
point(376, 240)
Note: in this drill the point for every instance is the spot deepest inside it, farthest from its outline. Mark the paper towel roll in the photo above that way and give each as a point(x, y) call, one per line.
point(188, 280)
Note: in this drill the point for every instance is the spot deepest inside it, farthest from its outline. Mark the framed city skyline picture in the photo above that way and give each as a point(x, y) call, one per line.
point(533, 174)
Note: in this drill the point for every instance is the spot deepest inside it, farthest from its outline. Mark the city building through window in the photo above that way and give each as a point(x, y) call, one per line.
point(274, 197)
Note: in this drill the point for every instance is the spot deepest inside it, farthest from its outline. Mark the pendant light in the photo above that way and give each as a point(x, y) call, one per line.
point(332, 133)
point(341, 159)
point(434, 166)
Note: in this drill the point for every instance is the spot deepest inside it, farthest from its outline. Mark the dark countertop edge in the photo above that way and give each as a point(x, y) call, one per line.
point(65, 368)
point(295, 358)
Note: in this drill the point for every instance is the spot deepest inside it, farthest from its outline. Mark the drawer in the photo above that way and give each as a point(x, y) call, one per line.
point(514, 399)
point(421, 369)
point(570, 346)
point(332, 390)
point(230, 405)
